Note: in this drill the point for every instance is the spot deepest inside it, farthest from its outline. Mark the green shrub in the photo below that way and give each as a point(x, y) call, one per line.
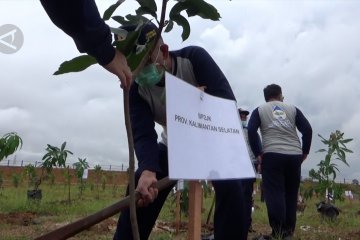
point(16, 179)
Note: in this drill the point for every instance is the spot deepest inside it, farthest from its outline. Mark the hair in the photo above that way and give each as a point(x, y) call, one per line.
point(272, 91)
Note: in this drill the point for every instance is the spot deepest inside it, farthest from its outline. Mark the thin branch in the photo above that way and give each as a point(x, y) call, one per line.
point(158, 36)
point(133, 218)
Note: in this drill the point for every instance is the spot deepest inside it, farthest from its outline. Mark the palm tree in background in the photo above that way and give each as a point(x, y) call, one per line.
point(9, 143)
point(80, 167)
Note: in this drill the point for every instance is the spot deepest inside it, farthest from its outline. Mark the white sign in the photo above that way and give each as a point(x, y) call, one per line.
point(349, 194)
point(85, 174)
point(205, 137)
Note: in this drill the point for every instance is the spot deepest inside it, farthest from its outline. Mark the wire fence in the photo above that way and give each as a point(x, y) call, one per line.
point(23, 163)
point(124, 168)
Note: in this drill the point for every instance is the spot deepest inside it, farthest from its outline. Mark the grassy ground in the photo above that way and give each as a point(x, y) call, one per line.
point(23, 219)
point(310, 224)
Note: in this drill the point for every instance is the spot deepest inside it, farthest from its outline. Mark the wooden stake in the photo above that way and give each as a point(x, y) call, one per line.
point(177, 212)
point(194, 225)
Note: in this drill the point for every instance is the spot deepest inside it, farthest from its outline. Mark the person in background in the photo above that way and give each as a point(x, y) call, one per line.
point(248, 184)
point(80, 19)
point(280, 158)
point(195, 66)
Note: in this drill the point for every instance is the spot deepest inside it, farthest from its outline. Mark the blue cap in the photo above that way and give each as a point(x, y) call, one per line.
point(148, 32)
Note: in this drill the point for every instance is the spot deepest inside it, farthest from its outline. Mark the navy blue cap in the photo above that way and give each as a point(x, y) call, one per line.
point(148, 32)
point(242, 111)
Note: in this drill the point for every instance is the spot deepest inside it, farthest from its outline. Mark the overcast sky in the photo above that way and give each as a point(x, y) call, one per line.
point(310, 48)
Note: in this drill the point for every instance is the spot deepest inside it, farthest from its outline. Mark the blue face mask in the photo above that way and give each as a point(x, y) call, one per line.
point(149, 76)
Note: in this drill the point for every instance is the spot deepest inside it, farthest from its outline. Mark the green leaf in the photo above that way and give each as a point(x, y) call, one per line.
point(181, 21)
point(149, 4)
point(9, 143)
point(97, 168)
point(321, 137)
point(346, 140)
point(341, 154)
point(120, 19)
point(312, 173)
point(136, 20)
point(202, 9)
point(2, 143)
point(327, 159)
point(77, 64)
point(346, 150)
point(109, 12)
point(169, 26)
point(144, 10)
point(13, 145)
point(325, 142)
point(334, 173)
point(177, 9)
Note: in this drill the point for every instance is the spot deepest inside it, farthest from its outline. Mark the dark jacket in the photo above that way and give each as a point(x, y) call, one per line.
point(81, 20)
point(147, 104)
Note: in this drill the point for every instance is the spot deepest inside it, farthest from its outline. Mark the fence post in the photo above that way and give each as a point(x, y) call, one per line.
point(22, 162)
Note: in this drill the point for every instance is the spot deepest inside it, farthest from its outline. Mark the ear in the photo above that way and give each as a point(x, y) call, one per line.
point(164, 48)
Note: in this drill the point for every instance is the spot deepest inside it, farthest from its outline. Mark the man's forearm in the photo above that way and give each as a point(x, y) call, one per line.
point(80, 19)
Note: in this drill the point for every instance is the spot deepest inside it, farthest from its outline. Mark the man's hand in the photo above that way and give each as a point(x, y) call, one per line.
point(148, 193)
point(202, 88)
point(119, 67)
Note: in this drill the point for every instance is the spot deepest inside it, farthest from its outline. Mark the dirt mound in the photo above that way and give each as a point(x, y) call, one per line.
point(105, 226)
point(18, 218)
